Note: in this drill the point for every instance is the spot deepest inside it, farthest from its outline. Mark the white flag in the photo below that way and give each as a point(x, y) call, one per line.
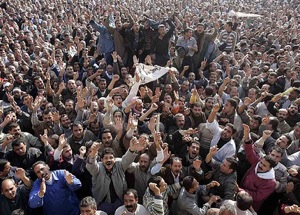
point(150, 73)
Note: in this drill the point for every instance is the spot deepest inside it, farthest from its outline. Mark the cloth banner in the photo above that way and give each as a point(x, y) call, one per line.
point(150, 73)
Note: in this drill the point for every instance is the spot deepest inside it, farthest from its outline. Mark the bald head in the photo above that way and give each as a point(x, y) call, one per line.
point(9, 189)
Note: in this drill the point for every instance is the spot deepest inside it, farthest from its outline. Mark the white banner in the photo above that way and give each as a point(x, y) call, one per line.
point(150, 73)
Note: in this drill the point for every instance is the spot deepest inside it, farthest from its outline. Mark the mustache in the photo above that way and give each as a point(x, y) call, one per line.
point(129, 206)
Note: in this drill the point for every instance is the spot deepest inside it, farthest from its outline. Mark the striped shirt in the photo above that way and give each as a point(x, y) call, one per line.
point(230, 38)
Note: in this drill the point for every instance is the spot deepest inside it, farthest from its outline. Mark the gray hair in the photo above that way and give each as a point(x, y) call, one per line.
point(228, 208)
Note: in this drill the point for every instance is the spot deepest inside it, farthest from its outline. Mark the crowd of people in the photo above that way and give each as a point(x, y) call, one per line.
point(87, 128)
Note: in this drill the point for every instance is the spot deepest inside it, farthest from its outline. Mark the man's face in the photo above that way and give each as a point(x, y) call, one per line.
point(16, 132)
point(69, 106)
point(228, 108)
point(254, 124)
point(282, 142)
point(293, 109)
point(194, 150)
point(226, 133)
point(200, 29)
point(225, 167)
point(192, 77)
point(144, 162)
point(48, 119)
point(276, 156)
point(118, 101)
point(78, 131)
point(168, 88)
point(6, 170)
point(180, 121)
point(252, 94)
point(185, 86)
point(9, 189)
point(42, 171)
point(130, 202)
point(197, 111)
point(271, 79)
point(71, 85)
point(108, 161)
point(176, 167)
point(162, 31)
point(297, 132)
point(263, 166)
point(65, 121)
point(209, 104)
point(168, 99)
point(102, 85)
point(20, 150)
point(265, 88)
point(281, 115)
point(107, 139)
point(89, 210)
point(39, 84)
point(67, 153)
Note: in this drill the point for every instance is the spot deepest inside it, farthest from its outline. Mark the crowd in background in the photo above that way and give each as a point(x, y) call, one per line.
point(81, 132)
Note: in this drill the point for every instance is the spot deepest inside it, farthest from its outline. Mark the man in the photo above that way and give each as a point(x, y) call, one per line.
point(155, 199)
point(189, 194)
point(79, 137)
point(242, 204)
point(201, 36)
point(63, 126)
point(23, 157)
point(141, 170)
point(259, 180)
point(15, 196)
point(224, 173)
point(131, 206)
point(58, 183)
point(47, 123)
point(108, 175)
point(190, 44)
point(88, 206)
point(222, 138)
point(196, 116)
point(160, 48)
point(229, 37)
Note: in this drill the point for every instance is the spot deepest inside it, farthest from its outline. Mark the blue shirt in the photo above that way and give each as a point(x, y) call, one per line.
point(59, 198)
point(106, 41)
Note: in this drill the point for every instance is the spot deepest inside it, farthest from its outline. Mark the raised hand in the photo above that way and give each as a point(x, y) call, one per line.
point(94, 149)
point(82, 151)
point(247, 101)
point(246, 131)
point(118, 124)
point(267, 134)
point(62, 141)
point(44, 137)
point(154, 188)
point(136, 145)
point(197, 165)
point(213, 150)
point(56, 117)
point(216, 108)
point(20, 173)
point(68, 177)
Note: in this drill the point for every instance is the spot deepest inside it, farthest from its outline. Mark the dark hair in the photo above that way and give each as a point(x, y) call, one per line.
point(105, 131)
point(274, 123)
point(37, 163)
point(172, 159)
point(13, 125)
point(288, 137)
point(277, 149)
point(188, 183)
point(270, 160)
point(230, 125)
point(107, 151)
point(3, 162)
point(243, 200)
point(116, 95)
point(187, 30)
point(196, 104)
point(233, 163)
point(257, 118)
point(154, 179)
point(76, 124)
point(47, 111)
point(18, 142)
point(129, 191)
point(232, 102)
point(88, 201)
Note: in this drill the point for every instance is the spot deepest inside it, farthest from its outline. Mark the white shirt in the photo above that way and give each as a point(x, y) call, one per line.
point(140, 210)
